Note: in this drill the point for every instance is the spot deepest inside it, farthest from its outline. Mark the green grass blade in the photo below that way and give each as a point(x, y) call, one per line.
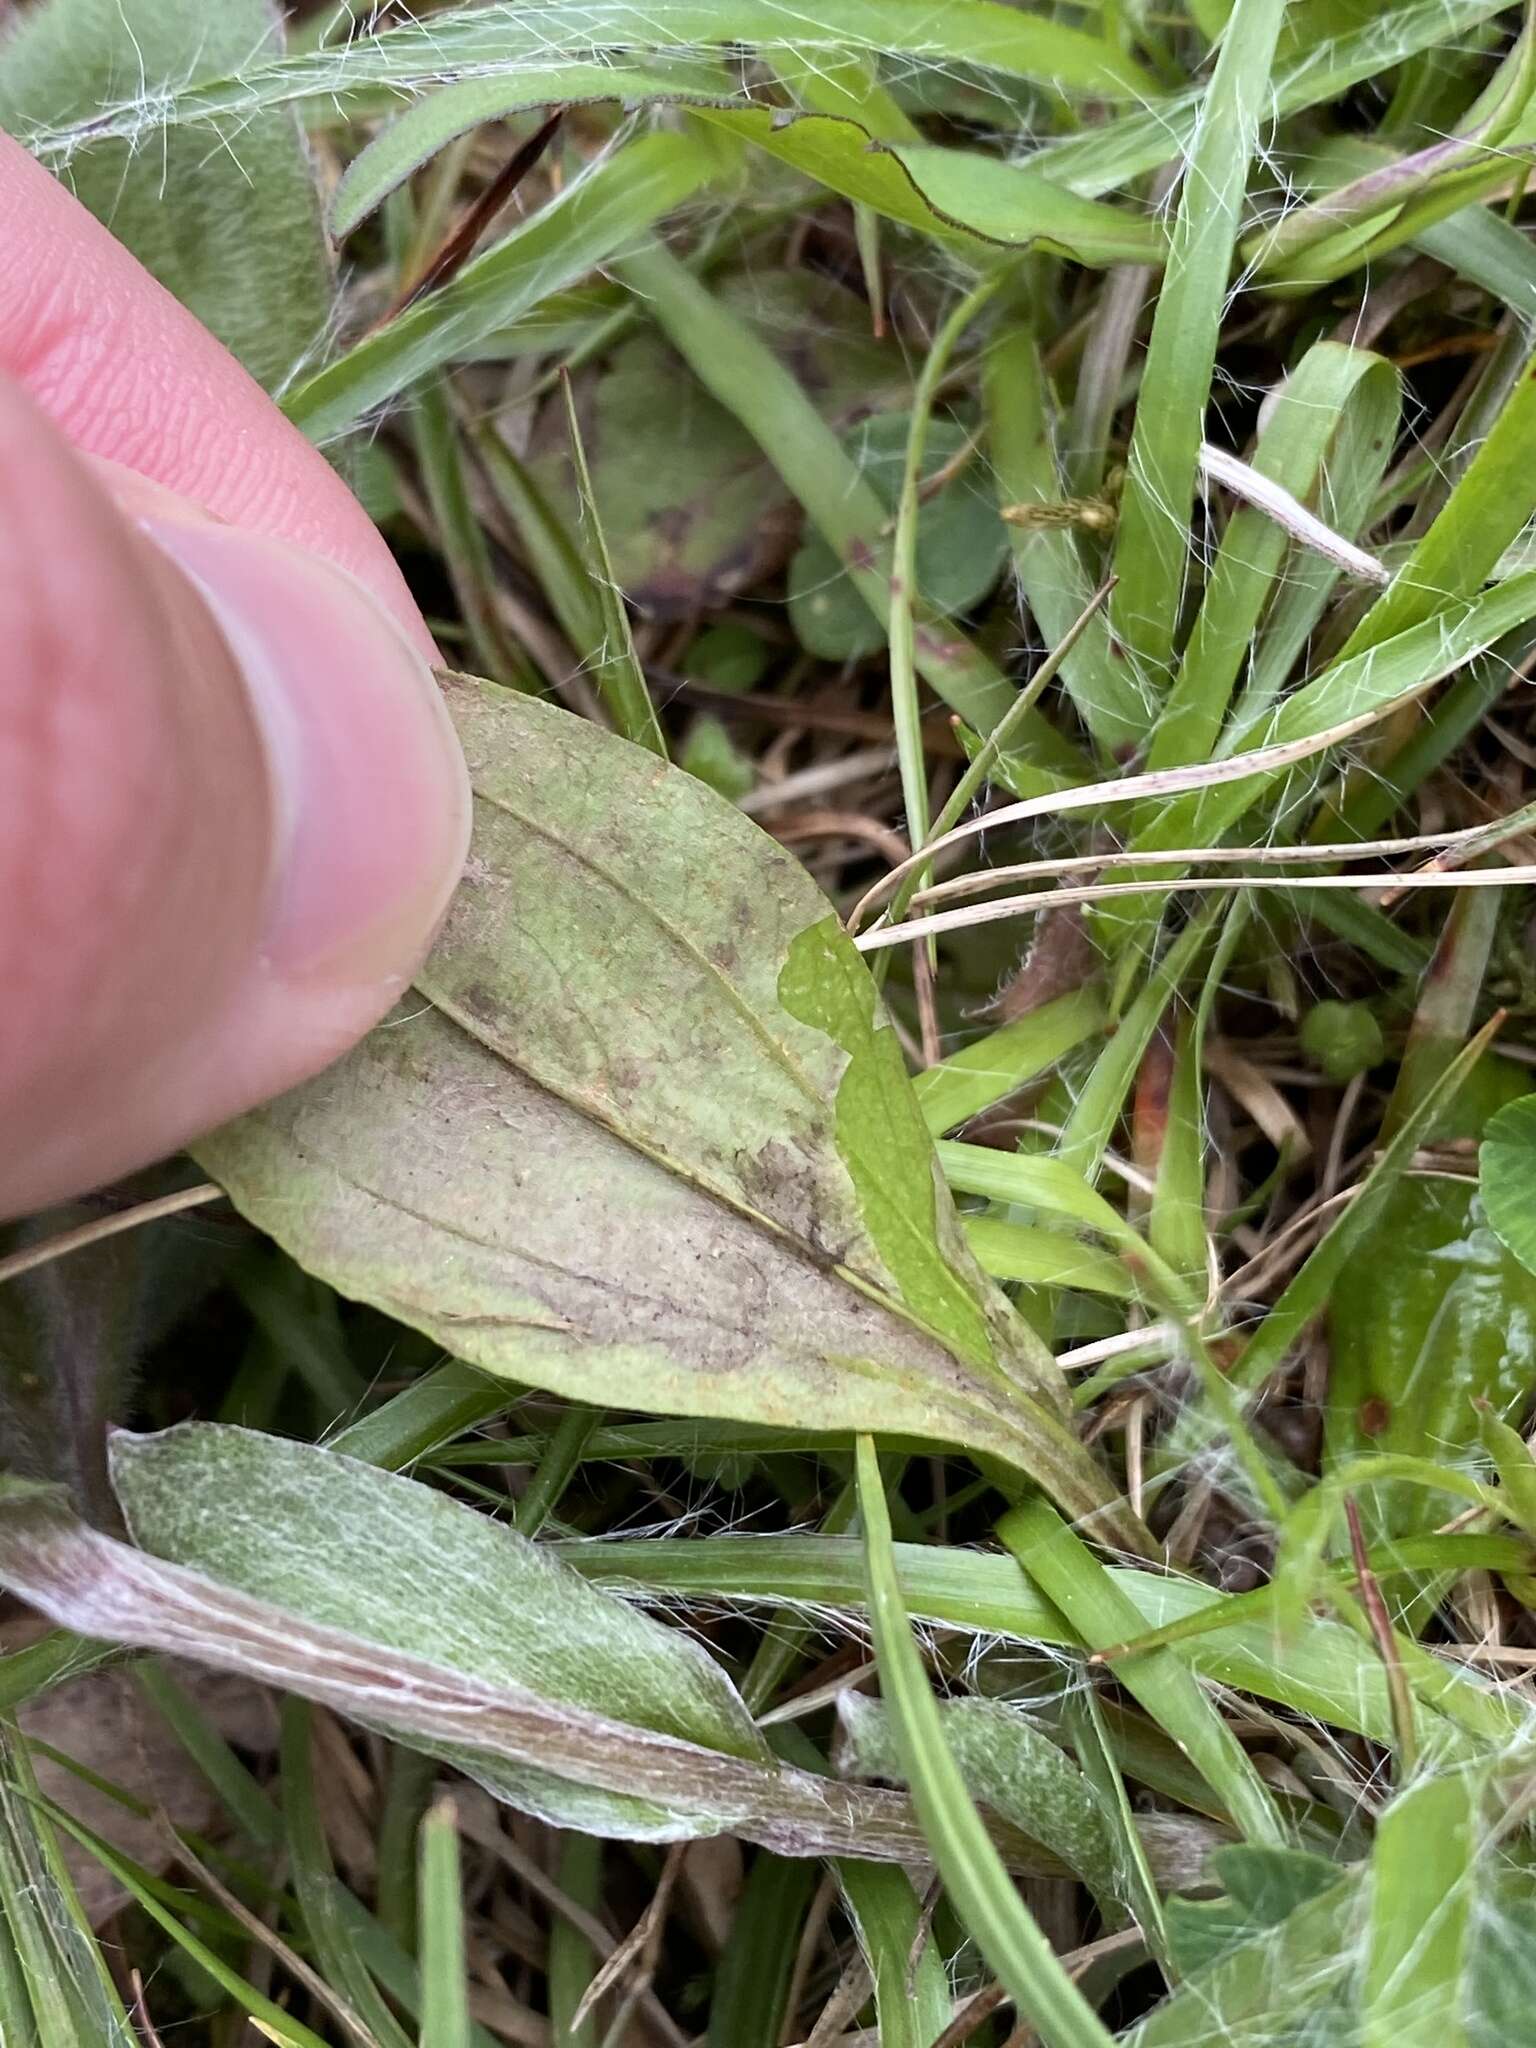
point(620, 678)
point(979, 1075)
point(1152, 546)
point(239, 1793)
point(1090, 1125)
point(1110, 155)
point(597, 215)
point(443, 1404)
point(1068, 1574)
point(1323, 1671)
point(1021, 438)
point(444, 1964)
point(1295, 450)
point(752, 1987)
point(912, 2002)
point(573, 1961)
point(440, 118)
point(270, 2019)
point(906, 714)
point(1493, 499)
point(368, 72)
point(461, 538)
point(973, 1872)
point(316, 1885)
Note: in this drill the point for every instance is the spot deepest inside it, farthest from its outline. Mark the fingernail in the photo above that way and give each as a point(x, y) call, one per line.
point(371, 790)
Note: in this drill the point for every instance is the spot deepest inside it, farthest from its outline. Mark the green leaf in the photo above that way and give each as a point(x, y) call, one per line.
point(1286, 1988)
point(595, 216)
point(649, 1140)
point(692, 508)
point(970, 202)
point(1421, 1898)
point(1322, 1670)
point(1333, 392)
point(300, 1526)
point(1319, 68)
point(957, 1088)
point(756, 1970)
point(55, 1991)
point(617, 670)
point(1069, 1575)
point(444, 1965)
point(1047, 557)
point(912, 2002)
point(1507, 1178)
point(229, 221)
point(1437, 1320)
point(1264, 1887)
point(961, 543)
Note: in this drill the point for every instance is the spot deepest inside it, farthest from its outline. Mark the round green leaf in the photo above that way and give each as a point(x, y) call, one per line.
point(961, 543)
point(1507, 1164)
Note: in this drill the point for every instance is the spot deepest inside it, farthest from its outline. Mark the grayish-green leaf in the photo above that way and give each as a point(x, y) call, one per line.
point(398, 1564)
point(228, 218)
point(650, 1138)
point(553, 1754)
point(1008, 1765)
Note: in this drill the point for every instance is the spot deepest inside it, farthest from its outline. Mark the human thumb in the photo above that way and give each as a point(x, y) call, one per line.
point(232, 811)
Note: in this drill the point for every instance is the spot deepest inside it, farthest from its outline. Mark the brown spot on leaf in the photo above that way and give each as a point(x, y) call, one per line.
point(1374, 1416)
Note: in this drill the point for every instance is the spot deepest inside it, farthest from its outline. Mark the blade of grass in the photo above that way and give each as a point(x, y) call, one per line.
point(619, 676)
point(444, 1964)
point(269, 2020)
point(443, 1404)
point(316, 1886)
point(573, 1961)
point(1061, 1564)
point(1153, 540)
point(1313, 409)
point(461, 537)
point(906, 714)
point(598, 214)
point(238, 1791)
point(1324, 1671)
point(912, 2003)
point(1005, 1930)
point(1116, 151)
point(752, 1987)
point(1021, 431)
point(979, 1075)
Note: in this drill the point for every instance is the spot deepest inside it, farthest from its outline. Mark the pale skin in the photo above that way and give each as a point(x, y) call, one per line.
point(232, 810)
